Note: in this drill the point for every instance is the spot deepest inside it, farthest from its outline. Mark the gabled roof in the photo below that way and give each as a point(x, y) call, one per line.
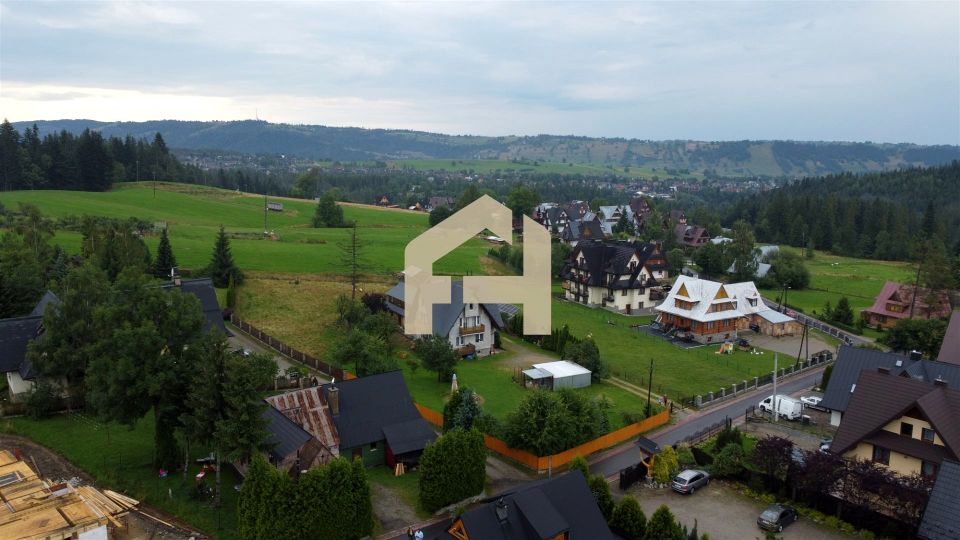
point(409, 436)
point(851, 361)
point(203, 289)
point(285, 436)
point(950, 348)
point(15, 334)
point(903, 296)
point(582, 229)
point(705, 293)
point(604, 258)
point(308, 409)
point(41, 307)
point(539, 511)
point(370, 404)
point(940, 519)
point(445, 315)
point(881, 398)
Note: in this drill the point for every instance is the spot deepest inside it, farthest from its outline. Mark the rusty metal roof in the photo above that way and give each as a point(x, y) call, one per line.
point(308, 408)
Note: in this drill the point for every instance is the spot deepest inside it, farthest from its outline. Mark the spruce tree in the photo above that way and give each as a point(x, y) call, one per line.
point(222, 267)
point(165, 259)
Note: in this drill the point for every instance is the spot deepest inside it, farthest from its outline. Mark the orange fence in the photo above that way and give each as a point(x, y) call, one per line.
point(543, 463)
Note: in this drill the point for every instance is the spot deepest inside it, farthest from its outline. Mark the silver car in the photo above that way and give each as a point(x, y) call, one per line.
point(690, 480)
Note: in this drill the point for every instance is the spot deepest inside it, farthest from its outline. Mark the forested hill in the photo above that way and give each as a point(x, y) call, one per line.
point(733, 158)
point(880, 215)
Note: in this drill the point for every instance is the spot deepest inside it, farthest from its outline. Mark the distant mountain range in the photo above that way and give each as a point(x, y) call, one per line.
point(728, 158)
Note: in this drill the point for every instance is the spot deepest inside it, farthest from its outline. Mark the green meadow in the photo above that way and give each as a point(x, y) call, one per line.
point(194, 214)
point(492, 166)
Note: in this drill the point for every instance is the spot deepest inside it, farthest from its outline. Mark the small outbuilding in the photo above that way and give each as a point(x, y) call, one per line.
point(556, 375)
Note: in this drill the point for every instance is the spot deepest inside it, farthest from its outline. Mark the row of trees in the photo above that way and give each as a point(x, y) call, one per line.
point(332, 502)
point(452, 468)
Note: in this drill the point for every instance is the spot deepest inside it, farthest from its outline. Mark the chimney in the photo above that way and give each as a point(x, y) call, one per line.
point(333, 399)
point(884, 369)
point(939, 381)
point(916, 355)
point(501, 510)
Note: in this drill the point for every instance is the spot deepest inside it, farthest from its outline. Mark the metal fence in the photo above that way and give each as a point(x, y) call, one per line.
point(735, 389)
point(707, 432)
point(288, 351)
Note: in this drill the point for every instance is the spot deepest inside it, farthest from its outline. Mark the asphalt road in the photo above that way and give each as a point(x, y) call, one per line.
point(611, 463)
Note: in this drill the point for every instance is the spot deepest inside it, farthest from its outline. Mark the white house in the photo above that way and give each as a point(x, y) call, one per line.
point(468, 327)
point(619, 275)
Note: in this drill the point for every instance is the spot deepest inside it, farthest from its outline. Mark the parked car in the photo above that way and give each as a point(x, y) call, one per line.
point(786, 407)
point(755, 327)
point(776, 517)
point(690, 480)
point(812, 402)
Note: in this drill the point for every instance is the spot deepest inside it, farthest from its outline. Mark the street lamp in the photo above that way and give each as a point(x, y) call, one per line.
point(783, 297)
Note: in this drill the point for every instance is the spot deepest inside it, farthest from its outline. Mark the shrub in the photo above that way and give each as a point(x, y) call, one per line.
point(42, 400)
point(665, 465)
point(730, 435)
point(578, 463)
point(601, 492)
point(662, 526)
point(729, 462)
point(628, 519)
point(452, 468)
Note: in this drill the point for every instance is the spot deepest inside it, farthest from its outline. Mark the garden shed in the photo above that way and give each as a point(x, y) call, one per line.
point(556, 375)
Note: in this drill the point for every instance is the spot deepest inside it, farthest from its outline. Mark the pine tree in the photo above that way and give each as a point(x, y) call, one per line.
point(250, 505)
point(222, 267)
point(165, 260)
point(628, 519)
point(351, 255)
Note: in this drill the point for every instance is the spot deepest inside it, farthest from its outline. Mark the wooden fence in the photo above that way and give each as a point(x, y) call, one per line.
point(290, 352)
point(546, 463)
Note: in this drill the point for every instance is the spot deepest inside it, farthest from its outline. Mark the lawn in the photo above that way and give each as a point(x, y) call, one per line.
point(833, 276)
point(121, 458)
point(680, 373)
point(491, 378)
point(194, 213)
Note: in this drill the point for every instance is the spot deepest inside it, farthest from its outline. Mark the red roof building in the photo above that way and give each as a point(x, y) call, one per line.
point(898, 301)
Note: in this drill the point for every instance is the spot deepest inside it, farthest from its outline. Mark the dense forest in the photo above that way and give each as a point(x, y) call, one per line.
point(726, 158)
point(871, 215)
point(90, 162)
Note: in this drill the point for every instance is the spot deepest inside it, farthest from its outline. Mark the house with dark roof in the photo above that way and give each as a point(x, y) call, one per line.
point(437, 201)
point(852, 361)
point(618, 275)
point(897, 301)
point(690, 235)
point(583, 229)
point(468, 327)
point(610, 216)
point(941, 519)
point(376, 419)
point(16, 333)
point(559, 508)
point(906, 424)
point(950, 348)
point(291, 448)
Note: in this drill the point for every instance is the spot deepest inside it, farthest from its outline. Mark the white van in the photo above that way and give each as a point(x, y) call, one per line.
point(787, 407)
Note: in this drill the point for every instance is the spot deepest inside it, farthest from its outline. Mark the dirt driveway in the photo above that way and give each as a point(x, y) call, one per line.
point(723, 513)
point(524, 355)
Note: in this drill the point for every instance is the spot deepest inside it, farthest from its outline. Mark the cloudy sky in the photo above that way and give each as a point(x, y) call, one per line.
point(877, 71)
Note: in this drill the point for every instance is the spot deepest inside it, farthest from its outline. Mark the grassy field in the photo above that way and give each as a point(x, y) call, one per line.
point(677, 372)
point(121, 458)
point(834, 276)
point(492, 166)
point(194, 213)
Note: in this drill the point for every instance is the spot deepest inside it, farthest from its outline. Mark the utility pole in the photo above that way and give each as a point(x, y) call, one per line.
point(265, 212)
point(138, 170)
point(649, 387)
point(155, 179)
point(775, 411)
point(916, 285)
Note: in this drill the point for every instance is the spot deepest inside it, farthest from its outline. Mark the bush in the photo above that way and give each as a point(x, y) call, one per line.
point(662, 526)
point(452, 468)
point(729, 435)
point(42, 400)
point(665, 465)
point(628, 519)
point(729, 462)
point(578, 463)
point(601, 492)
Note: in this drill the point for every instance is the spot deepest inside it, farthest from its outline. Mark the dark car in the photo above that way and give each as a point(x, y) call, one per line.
point(776, 517)
point(689, 481)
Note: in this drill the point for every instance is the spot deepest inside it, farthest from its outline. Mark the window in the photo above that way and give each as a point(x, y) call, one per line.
point(479, 338)
point(927, 434)
point(470, 306)
point(928, 469)
point(459, 341)
point(373, 446)
point(623, 292)
point(906, 429)
point(753, 302)
point(881, 455)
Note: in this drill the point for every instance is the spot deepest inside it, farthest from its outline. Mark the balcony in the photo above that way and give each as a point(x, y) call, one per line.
point(468, 349)
point(479, 329)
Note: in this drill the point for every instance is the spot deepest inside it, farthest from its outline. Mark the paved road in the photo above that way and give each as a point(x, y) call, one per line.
point(625, 456)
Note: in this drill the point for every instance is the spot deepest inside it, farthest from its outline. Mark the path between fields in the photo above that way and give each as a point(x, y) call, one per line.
point(140, 525)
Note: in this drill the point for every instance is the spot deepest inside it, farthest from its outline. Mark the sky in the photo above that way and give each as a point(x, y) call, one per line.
point(854, 71)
